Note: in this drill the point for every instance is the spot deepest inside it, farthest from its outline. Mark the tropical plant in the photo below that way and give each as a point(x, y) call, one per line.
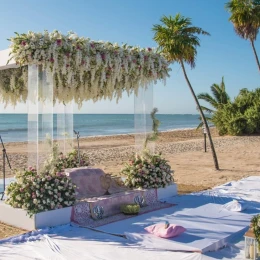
point(178, 41)
point(241, 116)
point(245, 16)
point(216, 100)
point(153, 137)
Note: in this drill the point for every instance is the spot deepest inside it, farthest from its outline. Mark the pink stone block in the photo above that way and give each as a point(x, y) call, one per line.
point(87, 180)
point(111, 204)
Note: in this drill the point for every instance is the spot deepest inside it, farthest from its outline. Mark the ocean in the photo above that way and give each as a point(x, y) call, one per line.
point(13, 127)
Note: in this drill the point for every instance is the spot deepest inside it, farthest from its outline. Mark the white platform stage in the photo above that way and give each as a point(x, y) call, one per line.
point(209, 227)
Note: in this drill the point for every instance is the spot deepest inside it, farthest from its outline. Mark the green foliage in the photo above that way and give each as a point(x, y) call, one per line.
point(130, 209)
point(245, 16)
point(178, 39)
point(241, 116)
point(218, 98)
point(255, 221)
point(154, 136)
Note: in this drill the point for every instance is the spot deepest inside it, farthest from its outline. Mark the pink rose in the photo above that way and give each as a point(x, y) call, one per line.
point(59, 42)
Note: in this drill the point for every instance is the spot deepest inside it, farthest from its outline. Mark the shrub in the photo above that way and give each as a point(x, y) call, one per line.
point(37, 192)
point(241, 116)
point(147, 171)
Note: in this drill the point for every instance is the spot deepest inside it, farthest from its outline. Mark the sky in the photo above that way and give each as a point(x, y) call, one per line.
point(130, 21)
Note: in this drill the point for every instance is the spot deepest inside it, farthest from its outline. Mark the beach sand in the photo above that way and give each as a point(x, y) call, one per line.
point(193, 168)
point(238, 156)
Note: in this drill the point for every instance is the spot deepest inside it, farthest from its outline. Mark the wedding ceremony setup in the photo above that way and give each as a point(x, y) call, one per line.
point(73, 210)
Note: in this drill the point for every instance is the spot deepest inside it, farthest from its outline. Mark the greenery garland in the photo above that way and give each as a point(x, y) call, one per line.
point(255, 221)
point(82, 69)
point(156, 123)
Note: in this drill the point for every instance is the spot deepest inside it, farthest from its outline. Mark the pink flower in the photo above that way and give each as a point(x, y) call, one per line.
point(78, 47)
point(103, 56)
point(149, 49)
point(21, 189)
point(51, 60)
point(59, 42)
point(92, 45)
point(48, 178)
point(23, 43)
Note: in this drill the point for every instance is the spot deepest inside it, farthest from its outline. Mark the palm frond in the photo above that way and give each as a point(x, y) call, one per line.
point(178, 39)
point(208, 98)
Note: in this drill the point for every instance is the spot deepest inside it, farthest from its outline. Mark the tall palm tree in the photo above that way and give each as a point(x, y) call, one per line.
point(218, 98)
point(245, 16)
point(178, 40)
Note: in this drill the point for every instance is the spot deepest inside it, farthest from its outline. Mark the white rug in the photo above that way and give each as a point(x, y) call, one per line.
point(79, 243)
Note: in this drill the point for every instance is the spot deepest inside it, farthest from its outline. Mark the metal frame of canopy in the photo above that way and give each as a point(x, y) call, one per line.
point(41, 114)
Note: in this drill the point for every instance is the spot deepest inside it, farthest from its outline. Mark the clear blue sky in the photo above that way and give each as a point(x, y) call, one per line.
point(130, 21)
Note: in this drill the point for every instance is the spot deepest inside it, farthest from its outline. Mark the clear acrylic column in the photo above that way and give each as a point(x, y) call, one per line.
point(40, 116)
point(143, 121)
point(64, 126)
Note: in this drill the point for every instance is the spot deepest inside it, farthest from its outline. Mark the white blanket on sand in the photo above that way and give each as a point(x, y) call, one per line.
point(68, 242)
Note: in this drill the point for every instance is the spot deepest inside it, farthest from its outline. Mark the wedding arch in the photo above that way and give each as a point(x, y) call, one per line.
point(49, 70)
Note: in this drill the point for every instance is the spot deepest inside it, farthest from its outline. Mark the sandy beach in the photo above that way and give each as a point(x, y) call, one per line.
point(194, 169)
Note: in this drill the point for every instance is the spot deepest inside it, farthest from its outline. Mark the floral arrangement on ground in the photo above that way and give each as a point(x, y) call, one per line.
point(255, 221)
point(37, 192)
point(48, 189)
point(147, 171)
point(70, 160)
point(82, 69)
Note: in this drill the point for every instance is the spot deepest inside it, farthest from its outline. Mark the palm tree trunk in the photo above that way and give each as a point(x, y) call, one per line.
point(215, 159)
point(256, 57)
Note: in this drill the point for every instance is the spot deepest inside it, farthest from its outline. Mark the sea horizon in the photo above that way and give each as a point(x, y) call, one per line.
point(13, 127)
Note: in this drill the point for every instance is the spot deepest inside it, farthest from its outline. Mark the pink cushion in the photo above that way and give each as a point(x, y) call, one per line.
point(160, 231)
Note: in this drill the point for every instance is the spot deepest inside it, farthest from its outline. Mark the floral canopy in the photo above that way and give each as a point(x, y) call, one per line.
point(82, 69)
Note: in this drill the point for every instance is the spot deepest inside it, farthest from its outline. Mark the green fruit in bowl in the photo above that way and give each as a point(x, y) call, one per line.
point(130, 209)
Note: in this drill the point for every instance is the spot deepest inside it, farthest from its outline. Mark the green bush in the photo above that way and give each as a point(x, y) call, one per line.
point(241, 116)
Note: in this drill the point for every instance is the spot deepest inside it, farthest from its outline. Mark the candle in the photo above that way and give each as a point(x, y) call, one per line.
point(252, 251)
